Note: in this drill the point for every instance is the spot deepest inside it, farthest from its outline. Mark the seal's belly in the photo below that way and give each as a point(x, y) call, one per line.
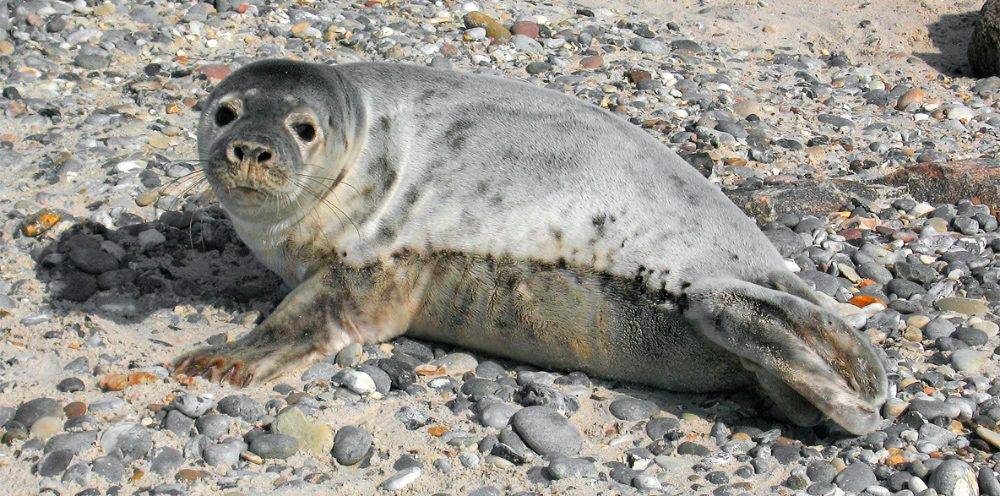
point(567, 318)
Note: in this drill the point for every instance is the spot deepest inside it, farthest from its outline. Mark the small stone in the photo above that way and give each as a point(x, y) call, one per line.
point(631, 409)
point(592, 62)
point(966, 306)
point(564, 468)
point(166, 460)
point(113, 382)
point(401, 479)
point(969, 360)
point(242, 406)
point(75, 409)
point(150, 238)
point(110, 467)
point(46, 427)
point(30, 411)
point(493, 28)
point(954, 477)
point(271, 445)
point(989, 436)
point(496, 415)
point(349, 355)
point(223, 454)
point(913, 95)
point(988, 484)
point(535, 68)
point(351, 445)
point(178, 423)
point(213, 426)
point(70, 385)
point(525, 28)
point(190, 474)
point(356, 381)
point(312, 436)
point(54, 463)
point(456, 363)
point(856, 477)
point(547, 432)
point(193, 405)
point(126, 441)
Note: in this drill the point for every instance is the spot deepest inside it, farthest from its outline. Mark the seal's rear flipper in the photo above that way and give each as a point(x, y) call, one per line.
point(802, 355)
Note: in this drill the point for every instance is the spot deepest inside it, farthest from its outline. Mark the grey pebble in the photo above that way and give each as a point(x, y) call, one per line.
point(166, 460)
point(54, 463)
point(351, 444)
point(563, 468)
point(213, 426)
point(242, 406)
point(856, 477)
point(547, 432)
point(272, 445)
point(30, 411)
point(193, 405)
point(109, 467)
point(70, 385)
point(631, 409)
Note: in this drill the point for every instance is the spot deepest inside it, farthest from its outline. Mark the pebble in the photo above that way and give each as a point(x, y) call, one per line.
point(54, 463)
point(954, 478)
point(349, 355)
point(401, 479)
point(126, 441)
point(109, 467)
point(969, 360)
point(242, 406)
point(351, 444)
point(564, 468)
point(30, 411)
point(70, 385)
point(356, 381)
point(312, 435)
point(193, 405)
point(269, 445)
point(166, 460)
point(856, 477)
point(213, 426)
point(547, 432)
point(626, 408)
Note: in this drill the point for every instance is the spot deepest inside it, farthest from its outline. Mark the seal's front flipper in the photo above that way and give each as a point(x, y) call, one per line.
point(319, 317)
point(804, 357)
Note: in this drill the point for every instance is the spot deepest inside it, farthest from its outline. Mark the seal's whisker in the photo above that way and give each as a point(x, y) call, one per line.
point(196, 184)
point(326, 202)
point(327, 178)
point(191, 175)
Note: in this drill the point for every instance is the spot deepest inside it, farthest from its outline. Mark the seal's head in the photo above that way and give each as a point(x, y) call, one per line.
point(277, 133)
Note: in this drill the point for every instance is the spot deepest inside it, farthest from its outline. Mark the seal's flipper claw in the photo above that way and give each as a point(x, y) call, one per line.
point(799, 353)
point(263, 354)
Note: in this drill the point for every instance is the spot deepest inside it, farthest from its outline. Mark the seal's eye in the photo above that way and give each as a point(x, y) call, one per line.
point(305, 131)
point(224, 115)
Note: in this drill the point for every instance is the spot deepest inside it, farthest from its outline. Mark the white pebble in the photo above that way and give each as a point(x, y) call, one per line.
point(358, 382)
point(402, 479)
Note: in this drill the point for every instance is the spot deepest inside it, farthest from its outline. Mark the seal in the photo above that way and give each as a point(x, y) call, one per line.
point(491, 214)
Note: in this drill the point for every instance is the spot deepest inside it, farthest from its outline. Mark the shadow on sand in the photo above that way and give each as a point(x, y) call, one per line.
point(950, 35)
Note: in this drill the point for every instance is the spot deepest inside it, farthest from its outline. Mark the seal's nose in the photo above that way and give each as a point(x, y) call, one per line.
point(248, 152)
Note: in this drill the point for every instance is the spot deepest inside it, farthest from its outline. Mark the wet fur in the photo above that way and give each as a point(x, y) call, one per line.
point(495, 215)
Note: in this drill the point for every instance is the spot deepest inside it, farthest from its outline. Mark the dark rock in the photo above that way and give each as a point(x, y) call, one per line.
point(984, 46)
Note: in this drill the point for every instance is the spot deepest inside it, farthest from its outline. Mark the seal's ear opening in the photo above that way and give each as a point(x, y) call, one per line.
point(802, 356)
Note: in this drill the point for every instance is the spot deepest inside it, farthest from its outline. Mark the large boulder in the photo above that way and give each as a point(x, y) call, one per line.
point(984, 48)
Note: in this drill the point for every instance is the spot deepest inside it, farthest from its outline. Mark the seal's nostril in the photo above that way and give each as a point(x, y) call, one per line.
point(263, 157)
point(238, 152)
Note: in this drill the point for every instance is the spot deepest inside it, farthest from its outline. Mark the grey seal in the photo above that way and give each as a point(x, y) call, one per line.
point(495, 215)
